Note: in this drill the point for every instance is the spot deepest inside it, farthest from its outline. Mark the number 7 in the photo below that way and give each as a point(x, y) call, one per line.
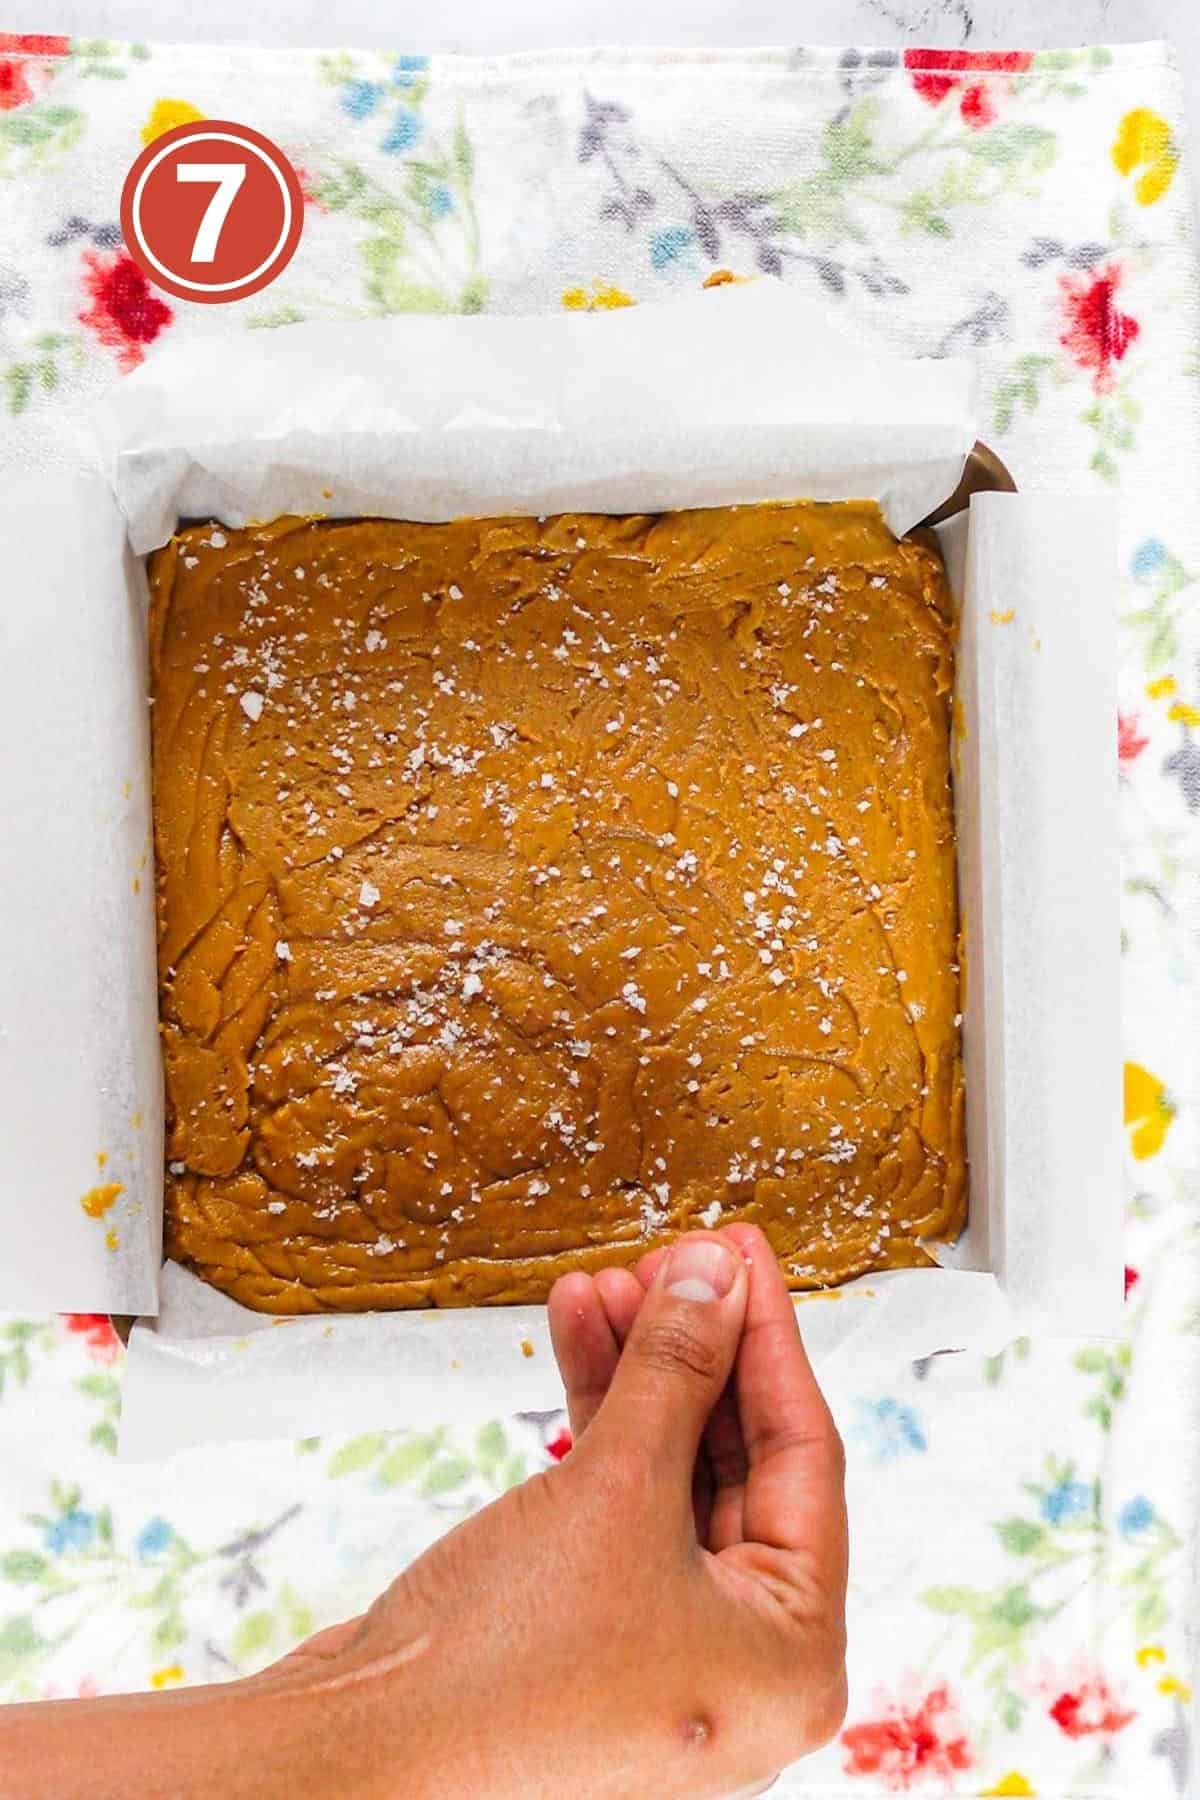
point(228, 178)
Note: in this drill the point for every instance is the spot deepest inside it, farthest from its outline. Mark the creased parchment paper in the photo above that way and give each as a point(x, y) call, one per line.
point(736, 395)
point(80, 1080)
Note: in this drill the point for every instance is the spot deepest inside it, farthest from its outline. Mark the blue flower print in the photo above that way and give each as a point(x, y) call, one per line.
point(887, 1429)
point(405, 130)
point(440, 201)
point(1137, 1515)
point(666, 246)
point(1066, 1500)
point(73, 1530)
point(1150, 555)
point(407, 68)
point(154, 1536)
point(359, 98)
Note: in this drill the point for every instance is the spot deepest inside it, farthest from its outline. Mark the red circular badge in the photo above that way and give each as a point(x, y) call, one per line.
point(212, 211)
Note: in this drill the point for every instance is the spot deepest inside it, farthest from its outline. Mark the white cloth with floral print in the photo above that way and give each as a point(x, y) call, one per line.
point(1024, 1529)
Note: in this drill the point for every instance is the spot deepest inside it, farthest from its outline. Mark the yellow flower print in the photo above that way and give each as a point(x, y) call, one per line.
point(166, 1677)
point(604, 297)
point(1175, 1689)
point(1148, 1108)
point(1012, 1786)
point(1144, 142)
point(1184, 713)
point(1157, 690)
point(1150, 1653)
point(166, 114)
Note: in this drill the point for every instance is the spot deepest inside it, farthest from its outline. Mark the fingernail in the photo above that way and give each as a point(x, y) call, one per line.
point(699, 1269)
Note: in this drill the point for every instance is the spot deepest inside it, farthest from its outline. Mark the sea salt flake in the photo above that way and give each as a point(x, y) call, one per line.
point(368, 894)
point(251, 704)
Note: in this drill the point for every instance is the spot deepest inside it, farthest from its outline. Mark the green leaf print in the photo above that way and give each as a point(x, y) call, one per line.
point(46, 132)
point(995, 1367)
point(169, 1633)
point(953, 1600)
point(38, 370)
point(1028, 149)
point(491, 1445)
point(357, 1453)
point(422, 252)
point(1019, 389)
point(1068, 1546)
point(1160, 577)
point(18, 382)
point(959, 166)
point(447, 1475)
point(464, 155)
point(20, 1642)
point(1020, 1536)
point(18, 1338)
point(1112, 1366)
point(298, 1619)
point(255, 1634)
point(408, 1458)
point(21, 1566)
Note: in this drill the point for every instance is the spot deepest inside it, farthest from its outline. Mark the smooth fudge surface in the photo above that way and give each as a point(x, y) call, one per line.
point(532, 890)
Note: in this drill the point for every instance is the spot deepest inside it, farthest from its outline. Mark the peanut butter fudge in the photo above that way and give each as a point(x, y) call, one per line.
point(532, 890)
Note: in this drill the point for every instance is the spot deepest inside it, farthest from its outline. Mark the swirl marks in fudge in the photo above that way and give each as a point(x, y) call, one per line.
point(529, 890)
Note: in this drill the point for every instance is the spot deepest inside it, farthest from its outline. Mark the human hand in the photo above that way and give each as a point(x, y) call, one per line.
point(660, 1614)
point(767, 1481)
point(663, 1612)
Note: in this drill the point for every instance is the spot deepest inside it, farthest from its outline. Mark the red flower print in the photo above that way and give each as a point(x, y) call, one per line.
point(96, 1330)
point(1090, 1708)
point(1130, 743)
point(936, 73)
point(34, 43)
point(1095, 331)
point(15, 86)
point(125, 312)
point(308, 186)
point(910, 1743)
point(558, 1446)
point(1131, 1280)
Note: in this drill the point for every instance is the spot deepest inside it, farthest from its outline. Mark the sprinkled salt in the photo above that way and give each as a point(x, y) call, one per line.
point(252, 704)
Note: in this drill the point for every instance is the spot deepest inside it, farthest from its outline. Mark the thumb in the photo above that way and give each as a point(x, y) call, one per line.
point(678, 1356)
